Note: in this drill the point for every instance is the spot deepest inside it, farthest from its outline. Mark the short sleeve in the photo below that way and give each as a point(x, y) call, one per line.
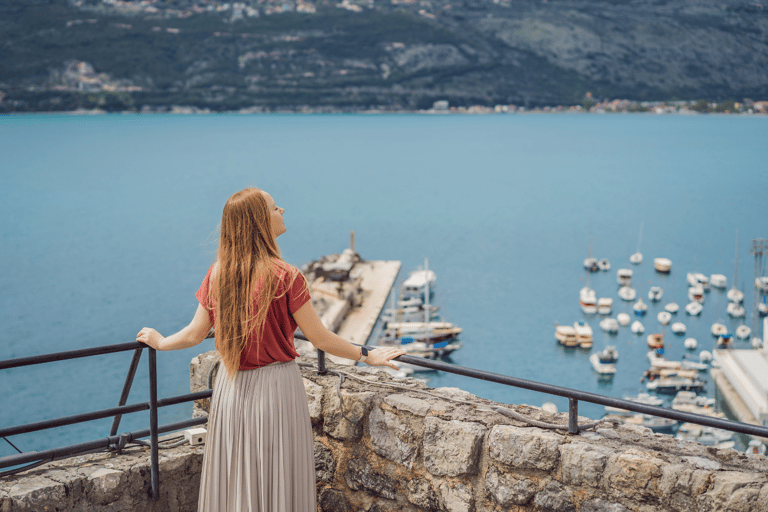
point(298, 293)
point(204, 297)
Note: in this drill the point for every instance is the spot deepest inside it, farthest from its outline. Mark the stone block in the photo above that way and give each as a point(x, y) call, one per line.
point(582, 463)
point(104, 486)
point(331, 500)
point(762, 499)
point(554, 497)
point(457, 497)
point(360, 475)
point(452, 448)
point(635, 473)
point(525, 448)
point(421, 494)
point(703, 463)
point(37, 494)
point(727, 485)
point(355, 406)
point(392, 437)
point(325, 464)
point(314, 401)
point(598, 505)
point(743, 500)
point(508, 490)
point(409, 404)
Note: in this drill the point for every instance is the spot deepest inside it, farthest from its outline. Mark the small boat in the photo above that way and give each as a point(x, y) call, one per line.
point(639, 307)
point(735, 295)
point(664, 317)
point(707, 436)
point(762, 309)
point(691, 398)
point(588, 300)
point(690, 343)
point(761, 283)
point(696, 293)
point(627, 293)
point(655, 340)
point(736, 310)
point(672, 307)
point(566, 335)
point(755, 447)
point(608, 355)
point(756, 342)
point(623, 319)
point(662, 265)
point(718, 281)
point(583, 334)
point(590, 264)
point(418, 282)
point(637, 327)
point(604, 305)
point(705, 356)
point(724, 341)
point(719, 329)
point(697, 279)
point(637, 258)
point(601, 368)
point(604, 265)
point(678, 328)
point(609, 325)
point(624, 276)
point(673, 385)
point(655, 293)
point(743, 332)
point(694, 308)
point(409, 314)
point(428, 332)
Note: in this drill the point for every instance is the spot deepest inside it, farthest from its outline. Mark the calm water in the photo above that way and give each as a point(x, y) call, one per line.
point(109, 224)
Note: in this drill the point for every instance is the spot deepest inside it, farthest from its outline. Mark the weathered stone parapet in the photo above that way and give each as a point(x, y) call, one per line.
point(401, 446)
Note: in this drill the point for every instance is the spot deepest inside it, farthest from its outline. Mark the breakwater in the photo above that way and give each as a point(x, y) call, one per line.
point(400, 445)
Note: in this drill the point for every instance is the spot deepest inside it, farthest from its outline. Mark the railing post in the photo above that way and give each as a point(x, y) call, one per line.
point(126, 389)
point(321, 363)
point(153, 424)
point(573, 416)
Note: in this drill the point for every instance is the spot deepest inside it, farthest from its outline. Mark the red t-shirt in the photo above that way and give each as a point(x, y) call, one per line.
point(279, 325)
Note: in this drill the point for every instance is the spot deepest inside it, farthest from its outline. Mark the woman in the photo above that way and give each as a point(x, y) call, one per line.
point(259, 448)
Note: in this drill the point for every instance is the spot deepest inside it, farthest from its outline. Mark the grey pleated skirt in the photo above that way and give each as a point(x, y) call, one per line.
point(259, 451)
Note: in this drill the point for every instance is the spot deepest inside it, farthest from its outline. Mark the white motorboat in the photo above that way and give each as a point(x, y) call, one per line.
point(678, 328)
point(724, 341)
point(664, 317)
point(624, 276)
point(691, 398)
point(718, 281)
point(655, 293)
point(608, 355)
point(735, 295)
point(719, 329)
point(705, 356)
point(762, 309)
point(637, 327)
point(673, 385)
point(419, 282)
point(609, 325)
point(755, 447)
point(583, 334)
point(694, 308)
point(602, 368)
point(566, 335)
point(696, 293)
point(409, 314)
point(761, 283)
point(623, 319)
point(690, 343)
point(422, 349)
point(662, 265)
point(736, 310)
point(604, 305)
point(672, 307)
point(639, 307)
point(655, 340)
point(604, 265)
point(588, 300)
point(627, 293)
point(756, 342)
point(697, 279)
point(743, 332)
point(590, 264)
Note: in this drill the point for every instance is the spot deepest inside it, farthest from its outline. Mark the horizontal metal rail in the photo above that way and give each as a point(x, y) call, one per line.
point(72, 354)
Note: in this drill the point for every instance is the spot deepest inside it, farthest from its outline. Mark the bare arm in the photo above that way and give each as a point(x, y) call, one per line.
point(325, 340)
point(189, 336)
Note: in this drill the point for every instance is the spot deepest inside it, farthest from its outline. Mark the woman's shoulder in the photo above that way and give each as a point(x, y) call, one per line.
point(285, 269)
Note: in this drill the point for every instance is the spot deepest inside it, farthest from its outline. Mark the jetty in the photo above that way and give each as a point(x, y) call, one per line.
point(348, 294)
point(742, 380)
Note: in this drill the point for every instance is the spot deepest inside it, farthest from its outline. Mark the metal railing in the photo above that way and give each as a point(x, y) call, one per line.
point(113, 442)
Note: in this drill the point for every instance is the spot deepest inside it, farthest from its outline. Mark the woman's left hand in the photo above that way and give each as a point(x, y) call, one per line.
point(150, 337)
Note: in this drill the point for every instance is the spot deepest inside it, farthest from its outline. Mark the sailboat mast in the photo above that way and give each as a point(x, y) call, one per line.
point(426, 293)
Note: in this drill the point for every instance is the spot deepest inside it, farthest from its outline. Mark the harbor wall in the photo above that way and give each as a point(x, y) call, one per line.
point(401, 446)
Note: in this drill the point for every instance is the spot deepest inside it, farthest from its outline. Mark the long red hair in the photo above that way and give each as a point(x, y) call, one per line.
point(246, 260)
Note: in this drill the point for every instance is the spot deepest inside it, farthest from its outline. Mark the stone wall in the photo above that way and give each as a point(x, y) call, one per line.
point(401, 446)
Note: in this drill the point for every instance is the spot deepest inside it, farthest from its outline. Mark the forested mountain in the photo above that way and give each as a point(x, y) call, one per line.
point(361, 54)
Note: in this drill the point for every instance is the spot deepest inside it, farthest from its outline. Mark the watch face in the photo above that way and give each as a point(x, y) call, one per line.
point(364, 351)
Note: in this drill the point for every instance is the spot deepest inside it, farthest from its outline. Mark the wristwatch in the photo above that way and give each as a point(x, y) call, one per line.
point(363, 354)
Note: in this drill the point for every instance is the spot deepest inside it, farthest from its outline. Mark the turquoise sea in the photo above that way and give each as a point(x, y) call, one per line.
point(108, 224)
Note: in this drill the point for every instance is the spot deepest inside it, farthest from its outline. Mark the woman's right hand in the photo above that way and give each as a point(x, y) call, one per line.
point(383, 356)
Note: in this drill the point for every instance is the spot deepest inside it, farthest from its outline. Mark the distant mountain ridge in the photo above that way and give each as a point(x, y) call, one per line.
point(60, 55)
